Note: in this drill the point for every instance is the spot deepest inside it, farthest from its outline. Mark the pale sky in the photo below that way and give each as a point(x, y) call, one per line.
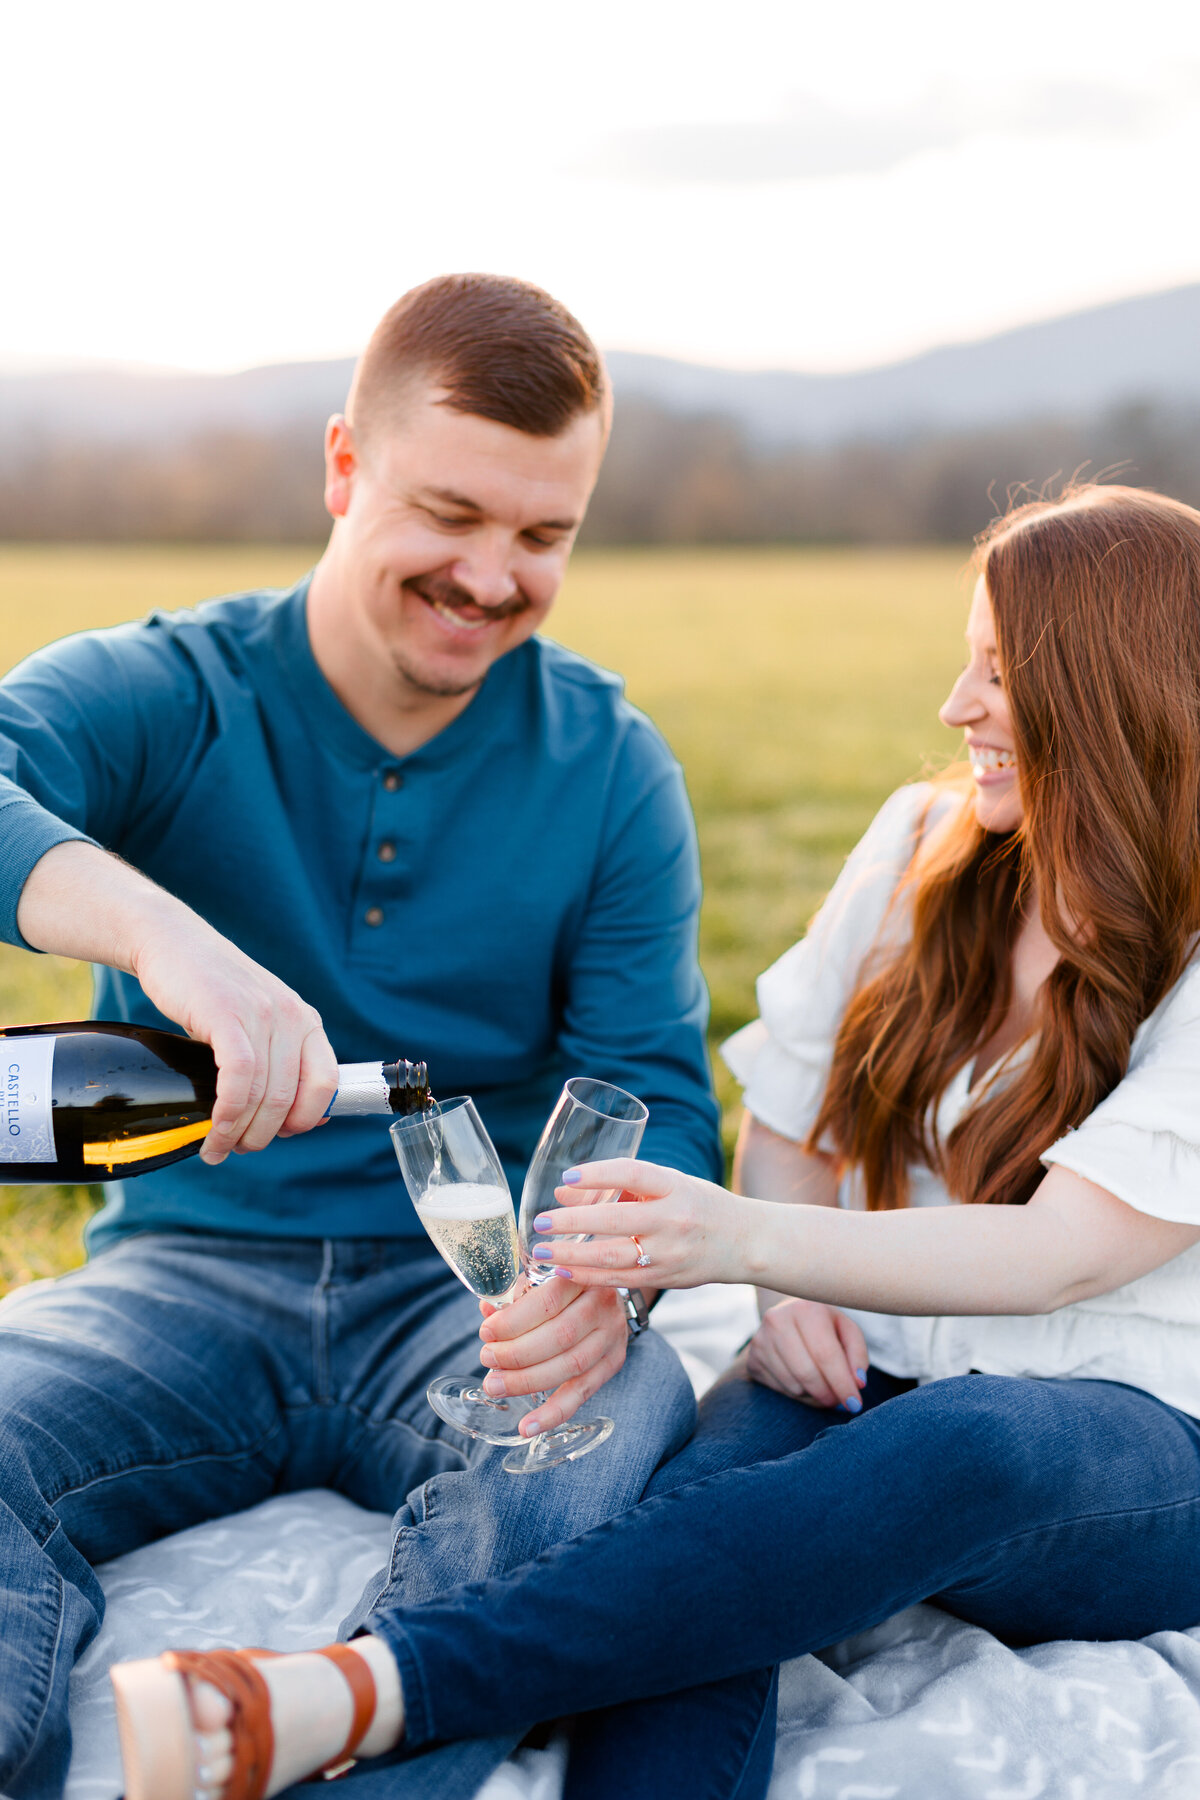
point(753, 182)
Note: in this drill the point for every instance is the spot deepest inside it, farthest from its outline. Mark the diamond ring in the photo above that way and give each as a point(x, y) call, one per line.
point(643, 1261)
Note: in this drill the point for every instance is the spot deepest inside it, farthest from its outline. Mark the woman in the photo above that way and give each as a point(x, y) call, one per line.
point(977, 1081)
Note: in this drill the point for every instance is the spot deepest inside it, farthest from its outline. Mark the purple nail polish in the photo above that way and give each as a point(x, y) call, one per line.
point(543, 1252)
point(544, 1222)
point(565, 1273)
point(570, 1177)
point(852, 1403)
point(862, 1377)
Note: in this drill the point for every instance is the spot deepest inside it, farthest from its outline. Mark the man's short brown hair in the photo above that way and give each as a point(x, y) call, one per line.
point(500, 348)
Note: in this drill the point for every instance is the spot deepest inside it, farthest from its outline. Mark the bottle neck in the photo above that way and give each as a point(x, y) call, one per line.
point(370, 1088)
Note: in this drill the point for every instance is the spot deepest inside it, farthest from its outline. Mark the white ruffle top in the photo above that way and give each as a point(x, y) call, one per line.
point(1142, 1143)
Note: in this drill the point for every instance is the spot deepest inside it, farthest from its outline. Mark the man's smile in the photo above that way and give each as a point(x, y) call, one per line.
point(458, 610)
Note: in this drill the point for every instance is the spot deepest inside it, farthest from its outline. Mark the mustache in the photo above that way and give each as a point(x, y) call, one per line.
point(441, 589)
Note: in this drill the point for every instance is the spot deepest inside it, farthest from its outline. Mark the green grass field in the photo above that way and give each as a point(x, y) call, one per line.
point(796, 687)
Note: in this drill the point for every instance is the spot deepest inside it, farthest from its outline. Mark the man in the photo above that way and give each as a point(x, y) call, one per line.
point(374, 814)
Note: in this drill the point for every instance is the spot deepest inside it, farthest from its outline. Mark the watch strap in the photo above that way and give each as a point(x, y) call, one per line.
point(637, 1313)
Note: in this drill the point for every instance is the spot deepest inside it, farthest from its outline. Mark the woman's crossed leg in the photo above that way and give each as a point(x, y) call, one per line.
point(1038, 1509)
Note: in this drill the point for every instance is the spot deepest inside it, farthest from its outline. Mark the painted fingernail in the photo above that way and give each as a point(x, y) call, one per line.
point(852, 1403)
point(570, 1177)
point(543, 1252)
point(565, 1273)
point(544, 1222)
point(494, 1384)
point(861, 1375)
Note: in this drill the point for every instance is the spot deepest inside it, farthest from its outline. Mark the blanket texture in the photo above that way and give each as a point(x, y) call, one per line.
point(923, 1708)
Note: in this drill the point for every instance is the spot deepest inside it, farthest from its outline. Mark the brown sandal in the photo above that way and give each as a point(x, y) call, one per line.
point(158, 1734)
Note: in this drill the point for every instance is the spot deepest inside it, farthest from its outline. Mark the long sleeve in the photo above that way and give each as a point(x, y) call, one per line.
point(93, 732)
point(635, 1007)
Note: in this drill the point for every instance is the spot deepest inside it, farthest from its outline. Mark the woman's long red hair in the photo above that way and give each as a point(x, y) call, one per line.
point(1096, 598)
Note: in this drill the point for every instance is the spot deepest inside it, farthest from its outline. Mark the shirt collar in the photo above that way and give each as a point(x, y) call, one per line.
point(331, 722)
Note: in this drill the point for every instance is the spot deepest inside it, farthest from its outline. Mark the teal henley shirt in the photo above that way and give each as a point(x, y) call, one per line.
point(515, 902)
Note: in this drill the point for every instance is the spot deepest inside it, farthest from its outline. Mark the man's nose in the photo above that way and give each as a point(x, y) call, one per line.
point(487, 576)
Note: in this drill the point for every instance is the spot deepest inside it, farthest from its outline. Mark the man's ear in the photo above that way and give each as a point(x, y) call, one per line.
point(341, 466)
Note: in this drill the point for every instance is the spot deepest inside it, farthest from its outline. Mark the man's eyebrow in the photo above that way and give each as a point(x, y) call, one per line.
point(448, 497)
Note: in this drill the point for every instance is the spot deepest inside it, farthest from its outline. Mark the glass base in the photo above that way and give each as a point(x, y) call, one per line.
point(461, 1402)
point(563, 1444)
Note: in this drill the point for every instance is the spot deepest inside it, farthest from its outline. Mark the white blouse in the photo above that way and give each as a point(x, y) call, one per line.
point(1142, 1143)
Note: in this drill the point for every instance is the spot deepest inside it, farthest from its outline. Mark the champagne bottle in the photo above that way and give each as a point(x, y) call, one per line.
point(97, 1102)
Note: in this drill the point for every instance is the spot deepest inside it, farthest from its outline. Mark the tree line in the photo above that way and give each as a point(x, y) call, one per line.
point(667, 479)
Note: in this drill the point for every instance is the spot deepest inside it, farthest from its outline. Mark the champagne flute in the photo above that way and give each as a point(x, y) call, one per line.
point(456, 1182)
point(592, 1121)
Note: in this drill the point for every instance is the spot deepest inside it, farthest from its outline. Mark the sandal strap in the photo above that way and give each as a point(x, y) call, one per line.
point(359, 1679)
point(232, 1673)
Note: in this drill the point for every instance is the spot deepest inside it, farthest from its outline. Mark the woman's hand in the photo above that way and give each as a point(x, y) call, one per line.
point(810, 1352)
point(689, 1231)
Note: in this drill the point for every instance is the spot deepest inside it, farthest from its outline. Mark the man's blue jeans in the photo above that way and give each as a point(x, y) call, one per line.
point(1037, 1509)
point(181, 1377)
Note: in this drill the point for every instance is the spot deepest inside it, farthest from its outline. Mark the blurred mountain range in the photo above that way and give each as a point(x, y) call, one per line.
point(1144, 349)
point(927, 448)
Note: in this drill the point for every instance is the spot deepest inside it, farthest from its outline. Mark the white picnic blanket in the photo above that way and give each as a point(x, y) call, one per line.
point(923, 1708)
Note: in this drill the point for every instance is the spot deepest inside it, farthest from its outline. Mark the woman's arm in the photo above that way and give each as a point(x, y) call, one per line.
point(779, 1169)
point(1072, 1240)
point(803, 1348)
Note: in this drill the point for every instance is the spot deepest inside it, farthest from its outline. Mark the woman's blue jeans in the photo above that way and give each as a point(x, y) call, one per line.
point(1037, 1509)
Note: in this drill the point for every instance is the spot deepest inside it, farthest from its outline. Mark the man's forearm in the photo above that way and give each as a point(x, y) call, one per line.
point(79, 901)
point(275, 1067)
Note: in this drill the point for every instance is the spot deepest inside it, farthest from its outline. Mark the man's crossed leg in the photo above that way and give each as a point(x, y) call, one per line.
point(183, 1377)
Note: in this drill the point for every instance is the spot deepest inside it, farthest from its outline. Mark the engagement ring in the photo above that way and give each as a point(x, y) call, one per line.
point(643, 1261)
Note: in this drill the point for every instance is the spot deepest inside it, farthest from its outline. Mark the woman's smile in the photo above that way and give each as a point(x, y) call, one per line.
point(991, 765)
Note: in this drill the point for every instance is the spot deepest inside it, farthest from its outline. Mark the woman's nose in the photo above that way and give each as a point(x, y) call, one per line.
point(963, 705)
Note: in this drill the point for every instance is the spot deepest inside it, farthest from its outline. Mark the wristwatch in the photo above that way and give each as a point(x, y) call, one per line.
point(637, 1313)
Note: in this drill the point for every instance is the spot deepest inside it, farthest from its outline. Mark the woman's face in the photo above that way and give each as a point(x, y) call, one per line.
point(978, 706)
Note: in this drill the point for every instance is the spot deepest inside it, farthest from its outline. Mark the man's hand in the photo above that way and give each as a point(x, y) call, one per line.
point(276, 1071)
point(810, 1352)
point(556, 1337)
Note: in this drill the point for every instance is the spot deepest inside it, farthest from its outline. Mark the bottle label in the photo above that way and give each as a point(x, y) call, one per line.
point(361, 1090)
point(26, 1093)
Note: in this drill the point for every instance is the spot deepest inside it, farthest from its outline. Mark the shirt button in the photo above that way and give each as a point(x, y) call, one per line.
point(392, 780)
point(374, 915)
point(386, 851)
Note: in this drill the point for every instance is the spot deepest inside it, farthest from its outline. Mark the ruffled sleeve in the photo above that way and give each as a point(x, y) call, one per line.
point(1143, 1142)
point(782, 1059)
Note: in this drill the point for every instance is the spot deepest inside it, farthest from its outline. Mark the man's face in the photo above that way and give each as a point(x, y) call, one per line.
point(453, 536)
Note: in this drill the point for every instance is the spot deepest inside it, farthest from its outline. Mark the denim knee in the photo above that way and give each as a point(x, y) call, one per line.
point(984, 1440)
point(672, 1383)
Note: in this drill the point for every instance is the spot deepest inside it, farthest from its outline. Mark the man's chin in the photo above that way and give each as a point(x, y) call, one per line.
point(438, 684)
